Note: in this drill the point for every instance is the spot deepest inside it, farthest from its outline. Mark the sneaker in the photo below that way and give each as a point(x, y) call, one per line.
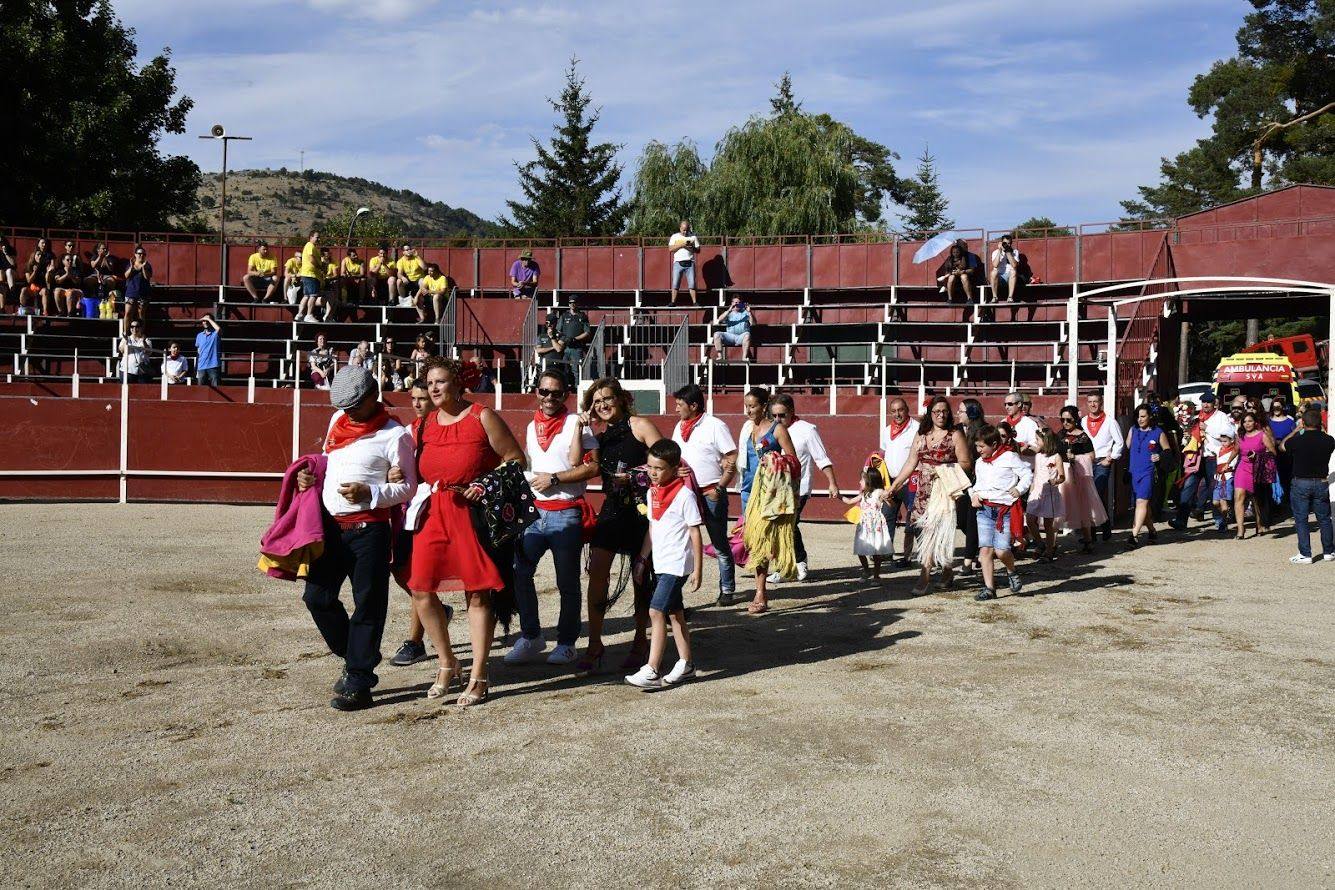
point(1328, 557)
point(352, 700)
point(645, 678)
point(563, 655)
point(987, 593)
point(1299, 560)
point(1014, 581)
point(681, 671)
point(802, 571)
point(526, 650)
point(410, 652)
point(774, 577)
point(726, 598)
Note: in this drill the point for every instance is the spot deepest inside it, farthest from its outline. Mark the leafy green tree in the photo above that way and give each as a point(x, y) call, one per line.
point(571, 188)
point(83, 121)
point(926, 203)
point(1039, 227)
point(668, 182)
point(1273, 114)
point(372, 228)
point(787, 173)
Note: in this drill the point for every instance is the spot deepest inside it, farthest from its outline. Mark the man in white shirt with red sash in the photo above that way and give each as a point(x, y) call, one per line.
point(562, 457)
point(363, 444)
point(1109, 443)
point(710, 451)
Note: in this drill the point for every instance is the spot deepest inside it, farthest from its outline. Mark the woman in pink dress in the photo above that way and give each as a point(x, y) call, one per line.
point(1081, 503)
point(1255, 472)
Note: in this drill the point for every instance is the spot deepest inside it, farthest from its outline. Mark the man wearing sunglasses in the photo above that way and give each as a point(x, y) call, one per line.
point(562, 457)
point(1109, 443)
point(810, 452)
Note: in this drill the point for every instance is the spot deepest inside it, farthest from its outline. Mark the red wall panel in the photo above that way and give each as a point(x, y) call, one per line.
point(767, 267)
point(711, 269)
point(238, 438)
point(880, 265)
point(793, 266)
point(657, 269)
point(601, 275)
point(60, 434)
point(742, 267)
point(626, 268)
point(825, 265)
point(574, 269)
point(852, 265)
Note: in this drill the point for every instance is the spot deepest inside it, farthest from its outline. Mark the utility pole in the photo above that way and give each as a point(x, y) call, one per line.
point(220, 134)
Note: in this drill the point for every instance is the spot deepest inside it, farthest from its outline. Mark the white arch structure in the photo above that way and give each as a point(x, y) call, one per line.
point(1230, 284)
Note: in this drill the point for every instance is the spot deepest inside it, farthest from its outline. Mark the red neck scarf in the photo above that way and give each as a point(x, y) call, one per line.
point(688, 427)
point(897, 428)
point(663, 495)
point(346, 430)
point(1095, 423)
point(1205, 415)
point(548, 427)
point(998, 452)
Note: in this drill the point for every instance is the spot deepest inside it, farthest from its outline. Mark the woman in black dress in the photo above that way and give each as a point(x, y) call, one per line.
point(623, 445)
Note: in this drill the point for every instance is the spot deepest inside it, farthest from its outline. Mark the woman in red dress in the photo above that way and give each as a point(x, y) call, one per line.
point(460, 442)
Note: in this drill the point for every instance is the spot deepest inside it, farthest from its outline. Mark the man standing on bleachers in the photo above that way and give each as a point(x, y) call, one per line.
point(684, 246)
point(571, 333)
point(208, 364)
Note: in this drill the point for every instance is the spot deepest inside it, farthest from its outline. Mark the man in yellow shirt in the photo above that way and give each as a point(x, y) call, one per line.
point(436, 288)
point(411, 272)
point(312, 275)
point(292, 278)
point(383, 271)
point(261, 271)
point(353, 272)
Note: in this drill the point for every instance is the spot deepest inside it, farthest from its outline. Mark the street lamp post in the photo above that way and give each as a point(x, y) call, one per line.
point(220, 134)
point(361, 211)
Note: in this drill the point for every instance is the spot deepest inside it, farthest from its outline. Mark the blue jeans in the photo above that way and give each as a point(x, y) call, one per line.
point(679, 269)
point(559, 531)
point(1102, 484)
point(716, 524)
point(1197, 490)
point(1305, 496)
point(999, 539)
point(208, 377)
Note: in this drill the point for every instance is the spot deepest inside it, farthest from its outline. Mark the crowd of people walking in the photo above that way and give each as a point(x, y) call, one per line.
point(456, 503)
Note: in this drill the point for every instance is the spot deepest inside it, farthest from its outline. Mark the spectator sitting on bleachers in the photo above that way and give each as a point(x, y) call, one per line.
point(389, 366)
point(353, 272)
point(737, 322)
point(332, 291)
point(292, 279)
point(208, 361)
point(1010, 270)
point(961, 273)
point(175, 367)
point(138, 284)
point(136, 350)
point(411, 270)
point(436, 288)
point(35, 297)
point(417, 358)
point(360, 356)
point(67, 284)
point(382, 283)
point(102, 282)
point(9, 261)
point(261, 272)
point(684, 246)
point(312, 271)
point(323, 362)
point(524, 275)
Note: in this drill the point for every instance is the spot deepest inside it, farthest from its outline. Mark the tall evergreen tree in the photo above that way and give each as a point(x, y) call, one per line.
point(784, 102)
point(82, 122)
point(571, 188)
point(926, 204)
point(1273, 114)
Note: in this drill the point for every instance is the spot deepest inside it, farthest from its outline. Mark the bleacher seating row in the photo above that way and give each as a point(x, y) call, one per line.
point(803, 340)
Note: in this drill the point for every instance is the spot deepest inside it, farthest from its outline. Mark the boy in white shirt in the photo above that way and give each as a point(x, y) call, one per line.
point(1002, 479)
point(676, 546)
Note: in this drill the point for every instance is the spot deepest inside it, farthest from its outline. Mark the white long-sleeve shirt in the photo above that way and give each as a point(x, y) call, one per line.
point(810, 450)
point(995, 479)
point(1109, 443)
point(368, 460)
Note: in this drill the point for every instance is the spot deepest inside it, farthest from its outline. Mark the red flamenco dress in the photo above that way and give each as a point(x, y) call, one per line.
point(447, 555)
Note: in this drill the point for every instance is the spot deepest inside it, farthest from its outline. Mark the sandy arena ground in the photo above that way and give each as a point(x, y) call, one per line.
point(1153, 718)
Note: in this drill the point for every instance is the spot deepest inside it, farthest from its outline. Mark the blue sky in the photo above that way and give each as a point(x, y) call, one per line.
point(1031, 108)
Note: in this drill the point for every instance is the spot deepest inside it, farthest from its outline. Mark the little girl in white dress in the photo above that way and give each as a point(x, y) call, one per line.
point(873, 538)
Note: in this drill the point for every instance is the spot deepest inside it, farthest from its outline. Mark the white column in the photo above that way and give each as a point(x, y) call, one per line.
point(250, 384)
point(125, 431)
point(709, 383)
point(1110, 379)
point(74, 378)
point(496, 384)
point(296, 405)
point(1073, 346)
point(833, 396)
point(1330, 370)
point(883, 405)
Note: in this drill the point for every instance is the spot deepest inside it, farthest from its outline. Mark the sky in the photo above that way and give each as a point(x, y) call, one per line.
point(1031, 107)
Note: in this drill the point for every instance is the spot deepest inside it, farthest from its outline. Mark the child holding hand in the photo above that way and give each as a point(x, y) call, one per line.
point(873, 538)
point(675, 543)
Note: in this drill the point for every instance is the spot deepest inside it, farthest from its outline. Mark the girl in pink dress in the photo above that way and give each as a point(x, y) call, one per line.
point(1045, 500)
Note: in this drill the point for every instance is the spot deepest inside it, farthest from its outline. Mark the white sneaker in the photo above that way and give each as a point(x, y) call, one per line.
point(645, 678)
point(681, 671)
point(1328, 557)
point(526, 650)
point(310, 318)
point(774, 577)
point(802, 571)
point(1300, 560)
point(562, 655)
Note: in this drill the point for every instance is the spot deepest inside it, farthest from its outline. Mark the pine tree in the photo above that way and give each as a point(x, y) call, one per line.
point(571, 188)
point(784, 102)
point(926, 204)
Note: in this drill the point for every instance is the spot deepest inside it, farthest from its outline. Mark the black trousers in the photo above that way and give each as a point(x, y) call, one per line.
point(798, 544)
point(362, 555)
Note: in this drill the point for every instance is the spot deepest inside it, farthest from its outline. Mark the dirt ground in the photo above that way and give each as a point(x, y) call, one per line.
point(1162, 717)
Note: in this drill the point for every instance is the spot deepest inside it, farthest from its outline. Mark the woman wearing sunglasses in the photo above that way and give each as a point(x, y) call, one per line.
point(1081, 503)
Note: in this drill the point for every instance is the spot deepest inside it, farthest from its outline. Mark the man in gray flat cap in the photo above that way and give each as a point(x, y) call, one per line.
point(362, 445)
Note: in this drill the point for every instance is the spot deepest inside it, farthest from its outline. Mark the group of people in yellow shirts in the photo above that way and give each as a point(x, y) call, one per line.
point(314, 283)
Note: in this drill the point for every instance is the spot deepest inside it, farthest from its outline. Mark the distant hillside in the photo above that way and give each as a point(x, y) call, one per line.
point(279, 201)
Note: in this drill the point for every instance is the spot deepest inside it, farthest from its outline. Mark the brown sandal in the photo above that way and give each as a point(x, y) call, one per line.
point(755, 608)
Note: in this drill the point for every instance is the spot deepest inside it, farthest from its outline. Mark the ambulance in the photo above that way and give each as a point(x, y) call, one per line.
point(1263, 375)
